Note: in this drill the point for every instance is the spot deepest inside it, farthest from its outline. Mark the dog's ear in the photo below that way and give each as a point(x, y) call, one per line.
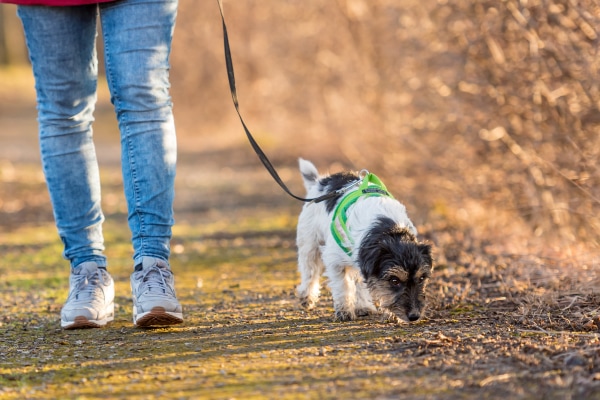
point(425, 250)
point(370, 254)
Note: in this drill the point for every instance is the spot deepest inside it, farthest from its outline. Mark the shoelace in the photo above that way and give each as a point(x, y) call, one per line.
point(86, 285)
point(154, 277)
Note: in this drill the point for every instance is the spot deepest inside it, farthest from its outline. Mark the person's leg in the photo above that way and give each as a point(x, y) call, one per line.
point(61, 44)
point(137, 39)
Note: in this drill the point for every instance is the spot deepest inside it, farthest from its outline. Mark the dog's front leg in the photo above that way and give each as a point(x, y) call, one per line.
point(364, 302)
point(342, 282)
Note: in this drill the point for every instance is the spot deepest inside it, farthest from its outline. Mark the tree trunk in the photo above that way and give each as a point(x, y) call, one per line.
point(3, 48)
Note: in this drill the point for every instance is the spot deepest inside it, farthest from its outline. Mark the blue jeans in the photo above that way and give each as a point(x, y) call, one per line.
point(137, 38)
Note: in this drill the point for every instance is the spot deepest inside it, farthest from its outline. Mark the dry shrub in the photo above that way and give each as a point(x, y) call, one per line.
point(532, 69)
point(481, 114)
point(504, 101)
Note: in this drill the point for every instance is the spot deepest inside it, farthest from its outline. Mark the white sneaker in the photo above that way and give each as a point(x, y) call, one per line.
point(91, 298)
point(153, 290)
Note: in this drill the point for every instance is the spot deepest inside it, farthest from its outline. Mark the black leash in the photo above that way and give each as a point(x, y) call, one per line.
point(261, 154)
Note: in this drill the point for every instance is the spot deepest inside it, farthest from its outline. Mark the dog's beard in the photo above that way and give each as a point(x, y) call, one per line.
point(396, 303)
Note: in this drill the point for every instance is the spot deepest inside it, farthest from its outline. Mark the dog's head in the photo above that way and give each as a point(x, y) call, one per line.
point(396, 268)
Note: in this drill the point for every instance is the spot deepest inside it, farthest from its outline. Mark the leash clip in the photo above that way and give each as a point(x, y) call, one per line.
point(361, 176)
point(352, 184)
point(349, 186)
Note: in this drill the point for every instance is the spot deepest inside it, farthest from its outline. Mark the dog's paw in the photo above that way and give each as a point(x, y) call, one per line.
point(389, 317)
point(307, 303)
point(363, 312)
point(344, 316)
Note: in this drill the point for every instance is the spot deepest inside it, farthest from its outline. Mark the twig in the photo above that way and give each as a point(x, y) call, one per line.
point(558, 333)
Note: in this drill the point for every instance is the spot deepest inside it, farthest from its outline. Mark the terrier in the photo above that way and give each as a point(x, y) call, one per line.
point(362, 240)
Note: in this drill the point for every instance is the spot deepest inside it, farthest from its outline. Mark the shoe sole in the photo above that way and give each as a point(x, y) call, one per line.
point(82, 322)
point(158, 316)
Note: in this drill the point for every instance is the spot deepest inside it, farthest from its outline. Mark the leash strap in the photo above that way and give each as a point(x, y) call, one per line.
point(371, 186)
point(261, 154)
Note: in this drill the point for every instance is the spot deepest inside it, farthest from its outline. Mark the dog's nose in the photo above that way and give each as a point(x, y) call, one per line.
point(413, 316)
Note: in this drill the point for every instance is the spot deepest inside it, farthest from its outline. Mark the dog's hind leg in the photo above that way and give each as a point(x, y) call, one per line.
point(310, 267)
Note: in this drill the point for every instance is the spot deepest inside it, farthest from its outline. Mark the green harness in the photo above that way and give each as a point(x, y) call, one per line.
point(370, 186)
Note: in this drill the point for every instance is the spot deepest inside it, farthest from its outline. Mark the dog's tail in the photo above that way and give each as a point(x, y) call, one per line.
point(310, 175)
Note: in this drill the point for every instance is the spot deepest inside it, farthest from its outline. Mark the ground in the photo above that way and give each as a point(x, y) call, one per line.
point(505, 320)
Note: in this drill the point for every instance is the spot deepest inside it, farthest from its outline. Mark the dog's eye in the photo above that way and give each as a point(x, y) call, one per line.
point(422, 279)
point(395, 281)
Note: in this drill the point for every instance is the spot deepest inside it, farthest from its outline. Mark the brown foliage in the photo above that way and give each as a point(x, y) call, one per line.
point(532, 69)
point(481, 106)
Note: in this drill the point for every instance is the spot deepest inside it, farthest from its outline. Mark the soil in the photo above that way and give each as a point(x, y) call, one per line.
point(511, 315)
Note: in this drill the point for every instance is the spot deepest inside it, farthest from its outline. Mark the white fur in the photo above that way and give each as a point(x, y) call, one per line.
point(319, 253)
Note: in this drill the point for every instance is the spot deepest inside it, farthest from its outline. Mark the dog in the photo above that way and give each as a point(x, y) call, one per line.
point(361, 239)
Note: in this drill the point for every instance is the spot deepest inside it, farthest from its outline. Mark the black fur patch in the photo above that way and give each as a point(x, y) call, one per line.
point(335, 182)
point(388, 244)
